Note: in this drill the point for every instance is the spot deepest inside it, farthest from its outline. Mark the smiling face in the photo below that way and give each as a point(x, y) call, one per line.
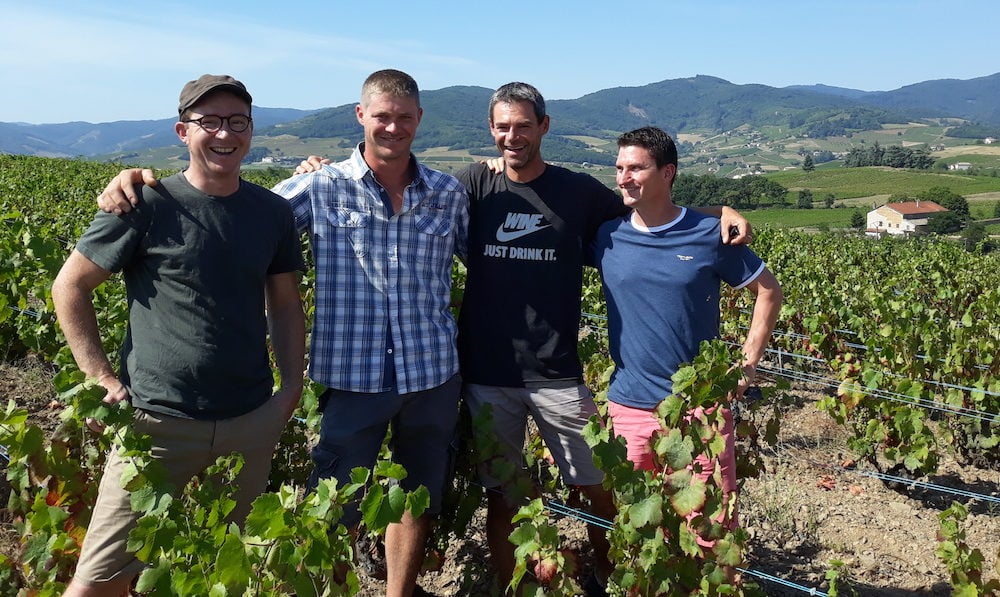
point(643, 184)
point(390, 123)
point(518, 135)
point(215, 157)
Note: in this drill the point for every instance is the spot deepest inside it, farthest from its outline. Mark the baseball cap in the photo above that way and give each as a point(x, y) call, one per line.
point(195, 90)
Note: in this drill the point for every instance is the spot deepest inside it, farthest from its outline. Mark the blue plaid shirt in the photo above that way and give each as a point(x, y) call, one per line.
point(379, 272)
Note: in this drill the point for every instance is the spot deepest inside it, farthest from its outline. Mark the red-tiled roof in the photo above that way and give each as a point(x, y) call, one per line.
point(912, 208)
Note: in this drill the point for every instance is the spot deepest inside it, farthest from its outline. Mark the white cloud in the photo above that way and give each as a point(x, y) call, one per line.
point(124, 64)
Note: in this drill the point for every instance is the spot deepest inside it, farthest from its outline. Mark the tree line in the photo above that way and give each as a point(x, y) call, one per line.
point(894, 156)
point(746, 192)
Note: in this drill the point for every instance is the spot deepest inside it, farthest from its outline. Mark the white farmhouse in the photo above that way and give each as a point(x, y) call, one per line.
point(901, 218)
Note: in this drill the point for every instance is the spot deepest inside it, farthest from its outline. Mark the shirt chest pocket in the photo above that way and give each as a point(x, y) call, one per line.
point(433, 221)
point(349, 229)
point(435, 237)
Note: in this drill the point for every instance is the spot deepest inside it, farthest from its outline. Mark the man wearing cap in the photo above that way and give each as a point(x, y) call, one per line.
point(210, 264)
point(383, 230)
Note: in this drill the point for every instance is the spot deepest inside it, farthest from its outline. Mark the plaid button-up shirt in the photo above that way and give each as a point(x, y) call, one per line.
point(376, 269)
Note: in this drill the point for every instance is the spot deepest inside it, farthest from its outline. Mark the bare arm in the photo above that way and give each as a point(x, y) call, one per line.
point(71, 293)
point(119, 196)
point(286, 324)
point(766, 307)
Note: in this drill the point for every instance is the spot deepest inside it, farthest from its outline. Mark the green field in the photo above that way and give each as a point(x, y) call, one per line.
point(903, 134)
point(799, 218)
point(866, 182)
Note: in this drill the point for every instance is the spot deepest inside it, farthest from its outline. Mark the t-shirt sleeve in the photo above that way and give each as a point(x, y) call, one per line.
point(471, 177)
point(464, 176)
point(605, 205)
point(738, 265)
point(112, 241)
point(288, 256)
point(467, 178)
point(594, 248)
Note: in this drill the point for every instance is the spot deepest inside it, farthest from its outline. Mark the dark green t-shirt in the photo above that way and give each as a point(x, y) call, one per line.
point(195, 268)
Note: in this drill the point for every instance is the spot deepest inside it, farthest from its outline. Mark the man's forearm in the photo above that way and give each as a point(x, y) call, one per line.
point(286, 325)
point(767, 306)
point(78, 320)
point(287, 330)
point(288, 342)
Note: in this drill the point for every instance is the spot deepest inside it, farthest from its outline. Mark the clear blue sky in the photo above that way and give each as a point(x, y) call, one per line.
point(99, 61)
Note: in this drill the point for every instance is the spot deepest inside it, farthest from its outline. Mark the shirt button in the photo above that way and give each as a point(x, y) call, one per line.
point(389, 351)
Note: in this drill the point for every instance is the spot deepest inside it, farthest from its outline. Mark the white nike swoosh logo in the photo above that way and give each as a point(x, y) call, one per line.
point(509, 235)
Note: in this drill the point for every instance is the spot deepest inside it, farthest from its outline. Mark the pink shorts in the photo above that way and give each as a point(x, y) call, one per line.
point(638, 425)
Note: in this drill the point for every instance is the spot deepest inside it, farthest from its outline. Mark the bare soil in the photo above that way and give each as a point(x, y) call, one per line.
point(804, 512)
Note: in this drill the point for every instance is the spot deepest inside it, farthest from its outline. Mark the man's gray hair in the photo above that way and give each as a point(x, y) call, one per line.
point(519, 92)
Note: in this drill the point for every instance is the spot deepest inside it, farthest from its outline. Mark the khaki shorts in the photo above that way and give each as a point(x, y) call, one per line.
point(560, 414)
point(186, 447)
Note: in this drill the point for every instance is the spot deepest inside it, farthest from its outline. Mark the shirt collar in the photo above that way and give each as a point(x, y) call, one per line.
point(361, 168)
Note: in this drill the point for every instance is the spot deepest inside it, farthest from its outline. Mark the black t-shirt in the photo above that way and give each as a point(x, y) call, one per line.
point(520, 315)
point(195, 267)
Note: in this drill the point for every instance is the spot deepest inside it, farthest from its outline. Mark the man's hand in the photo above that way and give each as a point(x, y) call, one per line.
point(735, 228)
point(119, 196)
point(311, 164)
point(746, 380)
point(496, 165)
point(288, 399)
point(116, 392)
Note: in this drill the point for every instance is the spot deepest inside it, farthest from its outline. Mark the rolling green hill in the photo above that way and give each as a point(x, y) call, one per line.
point(722, 128)
point(454, 117)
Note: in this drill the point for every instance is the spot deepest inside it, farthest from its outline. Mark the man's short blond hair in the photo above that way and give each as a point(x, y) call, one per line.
point(391, 82)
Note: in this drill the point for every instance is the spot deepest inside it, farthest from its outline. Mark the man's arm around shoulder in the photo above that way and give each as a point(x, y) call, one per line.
point(120, 195)
point(735, 228)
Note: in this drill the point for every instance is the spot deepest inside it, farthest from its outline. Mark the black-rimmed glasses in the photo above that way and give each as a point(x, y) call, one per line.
point(212, 123)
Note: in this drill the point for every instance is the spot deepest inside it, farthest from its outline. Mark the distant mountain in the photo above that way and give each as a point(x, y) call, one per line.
point(72, 139)
point(83, 138)
point(828, 90)
point(971, 99)
point(455, 117)
point(701, 102)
